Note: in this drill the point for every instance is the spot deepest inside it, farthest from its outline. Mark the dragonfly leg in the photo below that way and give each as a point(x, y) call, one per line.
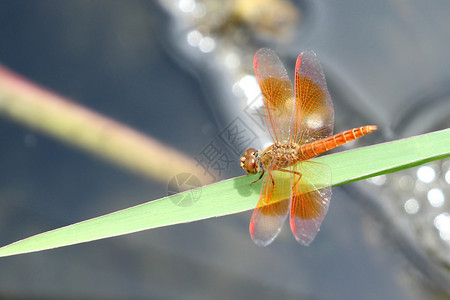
point(293, 172)
point(262, 173)
point(271, 178)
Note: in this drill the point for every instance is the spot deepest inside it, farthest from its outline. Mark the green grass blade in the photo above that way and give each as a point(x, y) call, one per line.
point(236, 195)
point(388, 157)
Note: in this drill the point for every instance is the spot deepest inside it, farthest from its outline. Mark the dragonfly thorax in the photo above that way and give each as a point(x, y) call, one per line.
point(278, 156)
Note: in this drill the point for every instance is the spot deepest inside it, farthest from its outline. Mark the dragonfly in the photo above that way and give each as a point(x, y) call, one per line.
point(300, 121)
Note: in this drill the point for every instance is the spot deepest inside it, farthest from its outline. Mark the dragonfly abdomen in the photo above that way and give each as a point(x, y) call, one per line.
point(313, 149)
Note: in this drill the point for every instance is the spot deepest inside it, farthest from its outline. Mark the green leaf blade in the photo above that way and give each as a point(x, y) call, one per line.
point(237, 195)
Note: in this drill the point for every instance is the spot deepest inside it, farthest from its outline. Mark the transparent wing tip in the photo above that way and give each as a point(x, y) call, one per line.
point(303, 233)
point(260, 237)
point(262, 243)
point(308, 53)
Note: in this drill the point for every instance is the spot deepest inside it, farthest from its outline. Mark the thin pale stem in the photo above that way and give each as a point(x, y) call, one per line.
point(33, 106)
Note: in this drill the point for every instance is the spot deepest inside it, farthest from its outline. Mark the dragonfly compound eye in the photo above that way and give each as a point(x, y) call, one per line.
point(250, 165)
point(250, 152)
point(248, 162)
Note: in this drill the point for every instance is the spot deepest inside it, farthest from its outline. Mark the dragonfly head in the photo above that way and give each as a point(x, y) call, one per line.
point(250, 161)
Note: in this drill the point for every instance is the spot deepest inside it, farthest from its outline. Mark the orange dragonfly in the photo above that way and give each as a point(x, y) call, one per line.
point(300, 123)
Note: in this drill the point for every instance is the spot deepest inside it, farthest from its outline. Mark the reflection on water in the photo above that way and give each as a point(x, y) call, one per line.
point(419, 198)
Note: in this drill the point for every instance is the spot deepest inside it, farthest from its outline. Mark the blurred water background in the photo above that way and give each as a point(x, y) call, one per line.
point(181, 72)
